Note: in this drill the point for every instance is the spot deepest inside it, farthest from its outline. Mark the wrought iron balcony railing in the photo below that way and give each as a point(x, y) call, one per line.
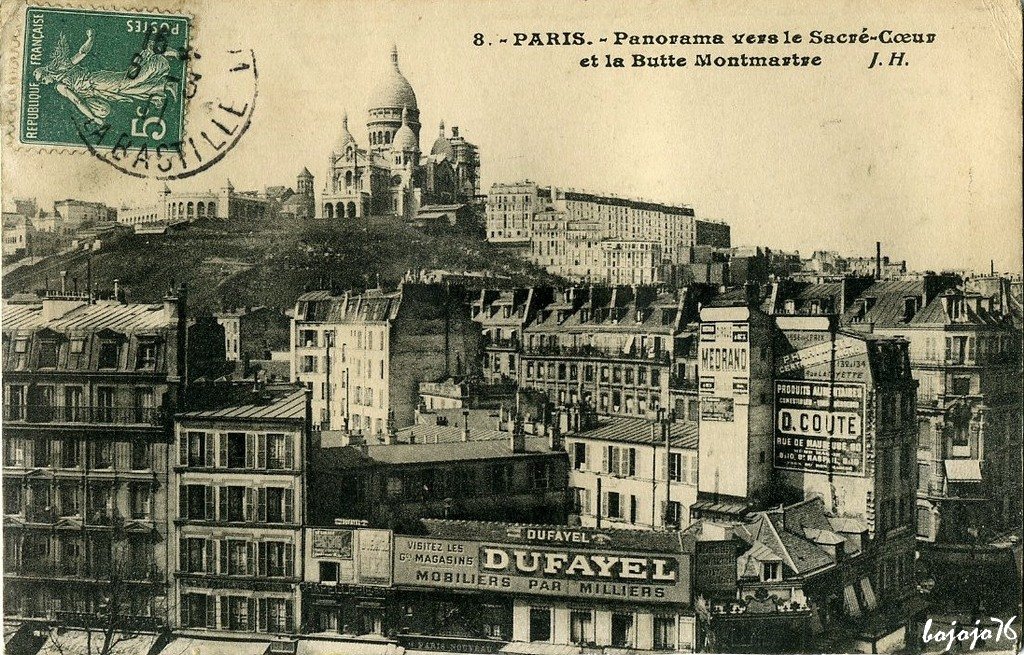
point(35, 414)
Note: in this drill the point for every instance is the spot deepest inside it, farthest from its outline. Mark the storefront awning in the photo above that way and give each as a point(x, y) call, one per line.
point(195, 646)
point(537, 648)
point(80, 642)
point(963, 470)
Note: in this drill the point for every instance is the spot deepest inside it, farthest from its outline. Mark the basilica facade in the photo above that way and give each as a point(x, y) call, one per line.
point(391, 175)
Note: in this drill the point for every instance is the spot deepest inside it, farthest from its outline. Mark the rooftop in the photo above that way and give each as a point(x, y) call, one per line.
point(286, 403)
point(76, 315)
point(641, 431)
point(346, 457)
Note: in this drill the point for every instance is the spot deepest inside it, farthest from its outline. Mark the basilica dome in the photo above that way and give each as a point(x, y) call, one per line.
point(394, 90)
point(405, 138)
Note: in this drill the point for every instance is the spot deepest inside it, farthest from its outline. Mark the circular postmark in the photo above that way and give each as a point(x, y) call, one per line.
point(217, 110)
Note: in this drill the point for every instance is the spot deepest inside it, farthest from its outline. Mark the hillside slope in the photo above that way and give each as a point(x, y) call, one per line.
point(270, 263)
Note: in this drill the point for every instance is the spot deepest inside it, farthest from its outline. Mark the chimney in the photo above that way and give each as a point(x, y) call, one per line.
point(465, 425)
point(63, 282)
point(117, 289)
point(455, 131)
point(878, 260)
point(518, 439)
point(555, 438)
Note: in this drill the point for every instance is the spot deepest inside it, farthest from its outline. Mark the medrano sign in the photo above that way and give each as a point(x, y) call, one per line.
point(549, 571)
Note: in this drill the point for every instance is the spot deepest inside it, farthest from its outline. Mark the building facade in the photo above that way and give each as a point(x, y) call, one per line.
point(633, 474)
point(443, 472)
point(71, 215)
point(16, 234)
point(184, 207)
point(599, 238)
point(89, 388)
point(363, 356)
point(238, 501)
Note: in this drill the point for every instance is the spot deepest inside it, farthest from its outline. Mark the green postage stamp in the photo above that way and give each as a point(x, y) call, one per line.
point(84, 71)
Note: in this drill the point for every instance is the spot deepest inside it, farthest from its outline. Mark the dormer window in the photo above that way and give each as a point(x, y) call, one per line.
point(77, 346)
point(48, 354)
point(909, 309)
point(815, 306)
point(108, 354)
point(771, 571)
point(147, 355)
point(21, 345)
point(790, 307)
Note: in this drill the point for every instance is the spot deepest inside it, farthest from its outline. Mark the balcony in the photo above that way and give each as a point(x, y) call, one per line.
point(495, 343)
point(49, 414)
point(593, 352)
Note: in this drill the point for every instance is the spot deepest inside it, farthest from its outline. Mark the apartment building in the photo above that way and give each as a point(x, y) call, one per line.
point(89, 391)
point(503, 314)
point(965, 355)
point(628, 473)
point(364, 355)
point(623, 350)
point(592, 237)
point(238, 481)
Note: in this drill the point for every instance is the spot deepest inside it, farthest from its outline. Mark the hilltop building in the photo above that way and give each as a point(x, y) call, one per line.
point(392, 175)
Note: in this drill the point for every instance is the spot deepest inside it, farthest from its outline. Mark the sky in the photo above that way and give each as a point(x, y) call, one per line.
point(925, 158)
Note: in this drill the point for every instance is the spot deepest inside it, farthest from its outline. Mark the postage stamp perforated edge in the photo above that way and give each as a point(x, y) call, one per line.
point(12, 31)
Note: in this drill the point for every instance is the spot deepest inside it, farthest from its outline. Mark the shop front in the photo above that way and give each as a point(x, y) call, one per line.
point(510, 584)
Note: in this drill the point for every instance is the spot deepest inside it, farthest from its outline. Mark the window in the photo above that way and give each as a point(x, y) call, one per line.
point(540, 624)
point(144, 409)
point(278, 503)
point(233, 450)
point(622, 630)
point(278, 558)
point(541, 475)
point(674, 513)
point(102, 455)
point(613, 505)
point(308, 364)
point(197, 449)
point(73, 411)
point(234, 557)
point(616, 375)
point(276, 615)
point(675, 467)
point(141, 501)
point(655, 377)
point(771, 571)
point(629, 376)
point(140, 455)
point(101, 503)
point(664, 633)
point(581, 626)
point(40, 452)
point(48, 354)
point(232, 503)
point(308, 338)
point(195, 502)
point(197, 611)
point(234, 613)
point(105, 404)
point(193, 555)
point(905, 461)
point(77, 346)
point(581, 500)
point(961, 386)
point(279, 450)
point(146, 356)
point(579, 455)
point(21, 346)
point(329, 571)
point(620, 461)
point(108, 354)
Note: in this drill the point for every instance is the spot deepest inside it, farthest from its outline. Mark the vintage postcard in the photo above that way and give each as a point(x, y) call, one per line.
point(582, 328)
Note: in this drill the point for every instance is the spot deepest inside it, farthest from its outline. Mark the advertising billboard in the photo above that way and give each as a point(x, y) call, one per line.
point(819, 427)
point(569, 571)
point(360, 555)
